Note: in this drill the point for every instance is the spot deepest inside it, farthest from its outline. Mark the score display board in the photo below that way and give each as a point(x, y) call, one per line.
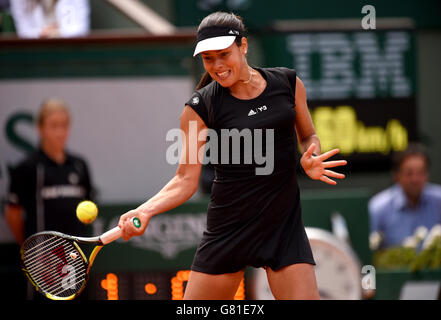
point(147, 285)
point(361, 88)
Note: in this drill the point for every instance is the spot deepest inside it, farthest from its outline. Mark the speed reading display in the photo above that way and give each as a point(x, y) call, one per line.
point(339, 128)
point(366, 131)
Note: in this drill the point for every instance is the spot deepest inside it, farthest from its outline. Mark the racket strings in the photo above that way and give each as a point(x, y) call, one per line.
point(33, 250)
point(70, 289)
point(56, 250)
point(37, 257)
point(55, 278)
point(42, 275)
point(48, 260)
point(70, 284)
point(52, 253)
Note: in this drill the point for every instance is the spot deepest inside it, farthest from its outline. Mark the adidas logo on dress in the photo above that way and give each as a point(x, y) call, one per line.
point(257, 110)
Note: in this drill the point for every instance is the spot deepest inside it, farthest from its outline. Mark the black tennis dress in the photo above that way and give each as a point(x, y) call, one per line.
point(253, 219)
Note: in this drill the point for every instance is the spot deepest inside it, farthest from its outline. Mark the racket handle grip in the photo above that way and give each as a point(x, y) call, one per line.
point(111, 235)
point(116, 232)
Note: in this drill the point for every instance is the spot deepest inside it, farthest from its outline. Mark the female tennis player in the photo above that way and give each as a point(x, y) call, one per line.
point(252, 220)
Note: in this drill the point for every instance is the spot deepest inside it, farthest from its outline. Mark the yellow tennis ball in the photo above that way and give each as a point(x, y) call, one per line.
point(87, 212)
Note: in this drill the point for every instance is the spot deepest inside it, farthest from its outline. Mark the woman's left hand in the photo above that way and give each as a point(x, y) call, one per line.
point(316, 166)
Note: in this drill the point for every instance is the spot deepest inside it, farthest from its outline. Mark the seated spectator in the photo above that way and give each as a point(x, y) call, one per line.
point(51, 18)
point(395, 213)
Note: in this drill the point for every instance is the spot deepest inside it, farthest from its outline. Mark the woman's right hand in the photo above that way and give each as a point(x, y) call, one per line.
point(127, 226)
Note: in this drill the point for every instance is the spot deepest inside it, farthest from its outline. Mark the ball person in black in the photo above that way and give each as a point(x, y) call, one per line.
point(254, 215)
point(48, 185)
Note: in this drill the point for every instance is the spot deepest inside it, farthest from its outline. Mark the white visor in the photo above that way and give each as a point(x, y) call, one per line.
point(216, 43)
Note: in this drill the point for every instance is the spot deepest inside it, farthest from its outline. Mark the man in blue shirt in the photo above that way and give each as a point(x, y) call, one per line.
point(411, 202)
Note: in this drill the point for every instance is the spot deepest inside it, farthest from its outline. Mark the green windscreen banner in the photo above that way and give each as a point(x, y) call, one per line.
point(259, 14)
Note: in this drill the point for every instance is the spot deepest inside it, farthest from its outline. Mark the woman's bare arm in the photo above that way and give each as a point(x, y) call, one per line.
point(184, 183)
point(316, 167)
point(304, 127)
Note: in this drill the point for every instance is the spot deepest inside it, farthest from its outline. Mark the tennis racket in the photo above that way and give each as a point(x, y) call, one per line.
point(55, 264)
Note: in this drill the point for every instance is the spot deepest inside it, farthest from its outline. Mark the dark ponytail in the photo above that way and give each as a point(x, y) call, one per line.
point(223, 19)
point(205, 80)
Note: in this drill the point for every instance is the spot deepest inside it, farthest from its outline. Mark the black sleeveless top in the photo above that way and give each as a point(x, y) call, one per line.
point(254, 214)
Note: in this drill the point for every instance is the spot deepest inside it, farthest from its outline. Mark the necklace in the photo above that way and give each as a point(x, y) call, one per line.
point(251, 75)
